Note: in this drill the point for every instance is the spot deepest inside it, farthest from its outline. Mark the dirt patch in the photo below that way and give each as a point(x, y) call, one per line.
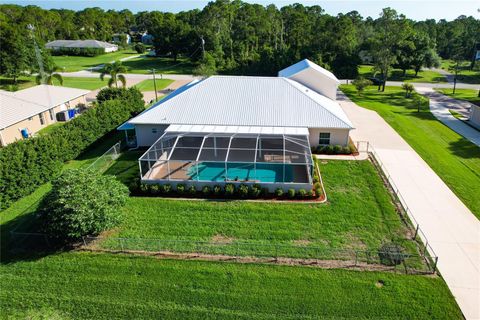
point(355, 243)
point(302, 242)
point(379, 284)
point(221, 239)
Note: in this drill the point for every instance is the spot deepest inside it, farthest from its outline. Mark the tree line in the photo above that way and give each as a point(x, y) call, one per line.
point(252, 39)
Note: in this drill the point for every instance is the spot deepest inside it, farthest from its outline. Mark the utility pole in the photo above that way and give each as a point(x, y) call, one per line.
point(37, 54)
point(155, 85)
point(455, 77)
point(203, 47)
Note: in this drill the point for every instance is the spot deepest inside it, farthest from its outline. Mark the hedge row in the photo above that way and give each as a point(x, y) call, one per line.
point(26, 164)
point(229, 191)
point(86, 52)
point(336, 149)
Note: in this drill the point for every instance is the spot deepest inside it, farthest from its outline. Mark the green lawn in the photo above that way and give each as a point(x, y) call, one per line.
point(359, 215)
point(22, 83)
point(397, 75)
point(148, 85)
point(465, 75)
point(455, 159)
point(77, 63)
point(462, 94)
point(104, 286)
point(72, 82)
point(162, 65)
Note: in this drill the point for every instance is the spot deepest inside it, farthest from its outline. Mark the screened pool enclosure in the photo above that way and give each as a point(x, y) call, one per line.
point(223, 154)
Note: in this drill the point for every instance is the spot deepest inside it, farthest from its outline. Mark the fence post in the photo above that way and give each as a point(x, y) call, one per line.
point(435, 265)
point(356, 257)
point(416, 232)
point(425, 250)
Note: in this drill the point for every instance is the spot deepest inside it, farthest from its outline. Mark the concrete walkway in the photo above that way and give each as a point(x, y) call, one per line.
point(439, 106)
point(451, 229)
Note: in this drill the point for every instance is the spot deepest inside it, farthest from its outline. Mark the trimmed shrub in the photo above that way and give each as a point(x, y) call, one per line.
point(86, 52)
point(255, 190)
point(229, 189)
point(192, 190)
point(291, 193)
point(279, 192)
point(26, 164)
point(302, 193)
point(243, 191)
point(140, 47)
point(310, 193)
point(217, 190)
point(181, 188)
point(167, 188)
point(155, 189)
point(82, 202)
point(318, 192)
point(206, 190)
point(145, 188)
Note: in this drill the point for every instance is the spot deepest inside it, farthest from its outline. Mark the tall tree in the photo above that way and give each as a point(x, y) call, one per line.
point(114, 70)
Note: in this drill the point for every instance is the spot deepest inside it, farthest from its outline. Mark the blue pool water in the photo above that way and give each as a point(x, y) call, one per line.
point(265, 172)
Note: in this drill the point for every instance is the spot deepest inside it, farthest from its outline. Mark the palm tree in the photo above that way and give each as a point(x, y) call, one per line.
point(50, 75)
point(114, 70)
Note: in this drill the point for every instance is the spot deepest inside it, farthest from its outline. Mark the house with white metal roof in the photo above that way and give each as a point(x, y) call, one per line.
point(242, 129)
point(25, 112)
point(81, 44)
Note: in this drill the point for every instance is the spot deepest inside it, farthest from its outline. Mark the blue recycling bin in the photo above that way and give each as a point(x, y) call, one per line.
point(24, 133)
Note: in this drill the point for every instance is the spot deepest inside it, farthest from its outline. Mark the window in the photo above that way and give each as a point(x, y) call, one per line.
point(324, 138)
point(51, 114)
point(154, 130)
point(42, 119)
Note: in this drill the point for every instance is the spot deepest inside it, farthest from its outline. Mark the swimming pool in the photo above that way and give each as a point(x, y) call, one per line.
point(263, 172)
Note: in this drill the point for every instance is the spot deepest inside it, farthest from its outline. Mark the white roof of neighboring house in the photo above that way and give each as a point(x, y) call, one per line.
point(23, 104)
point(303, 65)
point(247, 101)
point(79, 44)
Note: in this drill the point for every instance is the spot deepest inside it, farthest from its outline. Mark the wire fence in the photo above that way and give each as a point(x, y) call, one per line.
point(103, 162)
point(383, 259)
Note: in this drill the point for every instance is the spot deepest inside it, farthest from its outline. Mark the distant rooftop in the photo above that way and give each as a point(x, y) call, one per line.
point(79, 44)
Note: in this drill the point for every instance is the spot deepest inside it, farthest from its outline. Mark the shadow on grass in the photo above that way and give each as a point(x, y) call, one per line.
point(464, 149)
point(125, 168)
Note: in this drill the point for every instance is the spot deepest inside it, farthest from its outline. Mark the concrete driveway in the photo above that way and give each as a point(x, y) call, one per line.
point(440, 105)
point(450, 227)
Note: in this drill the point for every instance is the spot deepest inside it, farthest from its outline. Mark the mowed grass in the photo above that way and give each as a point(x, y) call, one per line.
point(103, 286)
point(465, 75)
point(462, 94)
point(148, 85)
point(71, 82)
point(77, 63)
point(455, 159)
point(162, 65)
point(359, 215)
point(428, 76)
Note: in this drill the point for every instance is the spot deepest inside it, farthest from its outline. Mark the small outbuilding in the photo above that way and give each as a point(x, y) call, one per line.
point(58, 45)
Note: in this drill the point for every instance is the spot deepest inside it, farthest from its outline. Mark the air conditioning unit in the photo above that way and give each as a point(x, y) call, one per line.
point(63, 116)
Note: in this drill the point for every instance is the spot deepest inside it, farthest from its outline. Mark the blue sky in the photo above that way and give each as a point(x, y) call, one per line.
point(414, 9)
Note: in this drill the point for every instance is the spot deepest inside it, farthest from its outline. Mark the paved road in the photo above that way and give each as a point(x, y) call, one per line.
point(89, 74)
point(440, 105)
point(450, 227)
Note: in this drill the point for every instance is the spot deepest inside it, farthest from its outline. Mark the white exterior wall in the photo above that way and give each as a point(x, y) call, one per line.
point(317, 82)
point(337, 136)
point(111, 49)
point(475, 115)
point(145, 136)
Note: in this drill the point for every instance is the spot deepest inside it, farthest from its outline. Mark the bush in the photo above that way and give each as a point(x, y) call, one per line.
point(130, 94)
point(408, 87)
point(86, 52)
point(310, 193)
point(334, 149)
point(361, 83)
point(155, 189)
point(192, 190)
point(167, 188)
point(206, 190)
point(255, 190)
point(181, 188)
point(140, 47)
point(229, 189)
point(302, 193)
point(291, 193)
point(82, 202)
point(243, 191)
point(145, 188)
point(217, 190)
point(27, 164)
point(279, 192)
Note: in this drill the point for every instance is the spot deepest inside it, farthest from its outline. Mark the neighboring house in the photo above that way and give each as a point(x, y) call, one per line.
point(25, 112)
point(81, 44)
point(122, 37)
point(147, 38)
point(242, 129)
point(475, 115)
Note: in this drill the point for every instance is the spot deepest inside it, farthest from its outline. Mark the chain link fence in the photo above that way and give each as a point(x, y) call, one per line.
point(103, 162)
